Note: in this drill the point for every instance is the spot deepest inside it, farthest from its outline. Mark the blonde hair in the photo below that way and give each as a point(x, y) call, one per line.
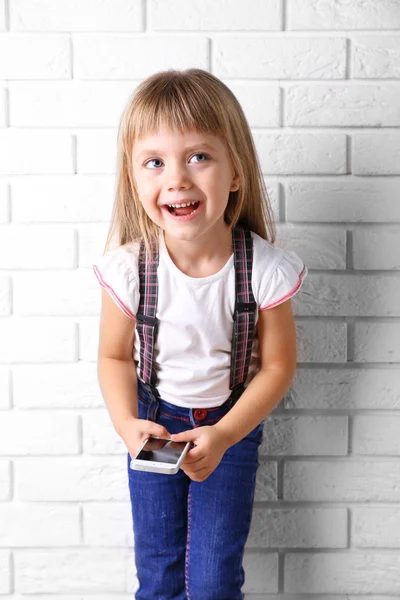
point(189, 100)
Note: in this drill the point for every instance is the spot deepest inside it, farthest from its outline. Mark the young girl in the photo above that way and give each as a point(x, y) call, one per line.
point(197, 337)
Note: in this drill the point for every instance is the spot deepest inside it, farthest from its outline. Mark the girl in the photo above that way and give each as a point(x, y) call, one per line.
point(197, 337)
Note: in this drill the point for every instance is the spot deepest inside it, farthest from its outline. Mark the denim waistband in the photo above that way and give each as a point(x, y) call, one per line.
point(195, 415)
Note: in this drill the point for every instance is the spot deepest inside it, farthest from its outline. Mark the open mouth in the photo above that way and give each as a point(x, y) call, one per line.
point(183, 210)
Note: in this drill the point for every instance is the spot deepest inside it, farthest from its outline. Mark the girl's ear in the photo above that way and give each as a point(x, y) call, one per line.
point(235, 184)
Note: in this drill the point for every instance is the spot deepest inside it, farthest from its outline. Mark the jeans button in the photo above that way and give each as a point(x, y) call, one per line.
point(200, 413)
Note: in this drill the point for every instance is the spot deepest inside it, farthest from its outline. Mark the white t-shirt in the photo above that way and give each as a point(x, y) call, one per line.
point(193, 346)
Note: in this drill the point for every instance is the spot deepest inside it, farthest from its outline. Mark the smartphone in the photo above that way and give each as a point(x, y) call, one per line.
point(160, 455)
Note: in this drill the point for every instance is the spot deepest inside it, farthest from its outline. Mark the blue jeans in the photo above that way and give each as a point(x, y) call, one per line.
point(189, 536)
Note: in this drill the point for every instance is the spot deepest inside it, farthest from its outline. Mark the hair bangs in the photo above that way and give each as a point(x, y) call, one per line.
point(180, 105)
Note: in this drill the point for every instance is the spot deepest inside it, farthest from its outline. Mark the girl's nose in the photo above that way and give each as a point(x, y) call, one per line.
point(177, 177)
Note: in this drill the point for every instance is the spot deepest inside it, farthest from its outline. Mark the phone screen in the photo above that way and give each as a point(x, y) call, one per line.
point(163, 451)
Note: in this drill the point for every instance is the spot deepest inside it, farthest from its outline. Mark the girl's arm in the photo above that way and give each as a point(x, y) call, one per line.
point(277, 343)
point(117, 376)
point(116, 368)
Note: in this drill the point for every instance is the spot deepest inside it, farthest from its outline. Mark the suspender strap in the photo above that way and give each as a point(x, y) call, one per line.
point(243, 318)
point(146, 321)
point(245, 308)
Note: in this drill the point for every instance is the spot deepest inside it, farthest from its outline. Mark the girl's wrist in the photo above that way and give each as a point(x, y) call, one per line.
point(122, 425)
point(224, 434)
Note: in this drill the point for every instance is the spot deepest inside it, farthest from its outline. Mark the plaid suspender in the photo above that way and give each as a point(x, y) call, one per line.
point(245, 307)
point(146, 320)
point(243, 319)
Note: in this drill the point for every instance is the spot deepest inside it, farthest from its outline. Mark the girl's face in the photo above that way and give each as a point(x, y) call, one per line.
point(174, 169)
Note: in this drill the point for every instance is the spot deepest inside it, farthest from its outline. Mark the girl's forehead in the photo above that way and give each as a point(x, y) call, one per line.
point(164, 138)
point(165, 133)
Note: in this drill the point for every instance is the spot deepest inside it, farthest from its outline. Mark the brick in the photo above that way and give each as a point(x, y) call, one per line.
point(266, 481)
point(83, 570)
point(282, 58)
point(3, 108)
point(320, 247)
point(378, 434)
point(29, 525)
point(2, 14)
point(376, 342)
point(52, 293)
point(260, 101)
point(344, 389)
point(298, 528)
point(345, 573)
point(5, 572)
point(376, 56)
point(66, 104)
point(304, 153)
point(5, 486)
point(375, 248)
point(89, 330)
point(116, 57)
point(34, 152)
point(376, 527)
point(36, 341)
point(72, 479)
point(233, 16)
point(321, 342)
point(99, 435)
point(62, 199)
point(376, 153)
point(5, 388)
point(262, 572)
point(27, 247)
point(110, 15)
point(342, 105)
point(25, 434)
point(346, 199)
point(96, 152)
point(4, 203)
point(274, 191)
point(5, 296)
point(290, 435)
point(344, 481)
point(91, 243)
point(70, 386)
point(357, 14)
point(350, 295)
point(34, 57)
point(107, 525)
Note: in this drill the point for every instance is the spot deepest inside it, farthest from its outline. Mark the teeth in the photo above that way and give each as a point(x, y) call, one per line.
point(182, 205)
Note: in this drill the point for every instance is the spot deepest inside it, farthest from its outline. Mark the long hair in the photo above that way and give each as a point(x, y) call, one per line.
point(189, 100)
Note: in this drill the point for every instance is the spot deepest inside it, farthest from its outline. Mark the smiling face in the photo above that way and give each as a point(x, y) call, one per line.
point(171, 168)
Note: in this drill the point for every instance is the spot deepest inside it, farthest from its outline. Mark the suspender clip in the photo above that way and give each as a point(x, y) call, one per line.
point(146, 320)
point(246, 307)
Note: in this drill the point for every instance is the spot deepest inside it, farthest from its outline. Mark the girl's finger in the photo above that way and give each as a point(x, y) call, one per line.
point(194, 455)
point(157, 430)
point(197, 466)
point(200, 474)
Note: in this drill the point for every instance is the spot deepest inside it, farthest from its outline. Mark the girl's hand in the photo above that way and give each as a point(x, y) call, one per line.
point(135, 431)
point(201, 461)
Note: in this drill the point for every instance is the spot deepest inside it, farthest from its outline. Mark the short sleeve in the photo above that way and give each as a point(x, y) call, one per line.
point(116, 275)
point(286, 280)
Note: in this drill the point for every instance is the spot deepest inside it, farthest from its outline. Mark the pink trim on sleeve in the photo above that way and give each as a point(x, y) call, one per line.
point(109, 289)
point(289, 294)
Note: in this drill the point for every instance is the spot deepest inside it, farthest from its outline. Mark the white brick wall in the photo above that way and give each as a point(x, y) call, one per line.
point(319, 83)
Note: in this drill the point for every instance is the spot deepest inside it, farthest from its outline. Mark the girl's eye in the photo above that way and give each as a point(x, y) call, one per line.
point(201, 154)
point(158, 160)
